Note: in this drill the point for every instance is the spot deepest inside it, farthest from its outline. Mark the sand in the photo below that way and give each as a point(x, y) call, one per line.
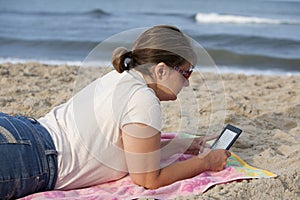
point(267, 108)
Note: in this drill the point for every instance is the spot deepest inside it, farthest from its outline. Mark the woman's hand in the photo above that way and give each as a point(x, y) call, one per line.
point(199, 144)
point(215, 159)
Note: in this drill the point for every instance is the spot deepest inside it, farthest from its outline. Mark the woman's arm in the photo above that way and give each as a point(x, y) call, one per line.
point(142, 148)
point(187, 145)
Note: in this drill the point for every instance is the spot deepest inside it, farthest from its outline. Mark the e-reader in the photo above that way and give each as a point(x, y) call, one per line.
point(227, 137)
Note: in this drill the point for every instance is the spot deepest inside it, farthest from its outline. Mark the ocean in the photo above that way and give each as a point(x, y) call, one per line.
point(244, 36)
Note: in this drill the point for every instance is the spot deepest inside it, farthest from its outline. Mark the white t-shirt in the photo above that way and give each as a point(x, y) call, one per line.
point(86, 129)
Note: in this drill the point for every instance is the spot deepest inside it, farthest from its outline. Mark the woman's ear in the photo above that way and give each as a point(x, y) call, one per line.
point(161, 70)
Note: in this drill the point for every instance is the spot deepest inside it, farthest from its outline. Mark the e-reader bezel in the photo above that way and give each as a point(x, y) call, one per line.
point(233, 129)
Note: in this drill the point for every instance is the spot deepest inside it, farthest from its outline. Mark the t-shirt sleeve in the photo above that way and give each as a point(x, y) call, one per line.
point(143, 107)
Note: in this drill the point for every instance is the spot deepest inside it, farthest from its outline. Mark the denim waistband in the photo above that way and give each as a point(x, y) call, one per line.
point(46, 146)
point(44, 136)
point(17, 131)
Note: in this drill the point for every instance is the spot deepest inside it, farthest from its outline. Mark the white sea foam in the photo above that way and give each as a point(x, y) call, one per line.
point(236, 19)
point(220, 69)
point(89, 63)
point(49, 62)
point(248, 71)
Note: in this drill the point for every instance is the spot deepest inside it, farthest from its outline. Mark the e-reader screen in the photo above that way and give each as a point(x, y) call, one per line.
point(227, 137)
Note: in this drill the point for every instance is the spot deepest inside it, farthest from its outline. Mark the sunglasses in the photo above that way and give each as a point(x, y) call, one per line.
point(185, 73)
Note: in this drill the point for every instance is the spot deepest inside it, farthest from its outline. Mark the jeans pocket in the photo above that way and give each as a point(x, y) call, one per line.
point(6, 137)
point(24, 142)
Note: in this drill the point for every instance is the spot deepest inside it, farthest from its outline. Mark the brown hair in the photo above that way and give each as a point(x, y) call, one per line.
point(158, 44)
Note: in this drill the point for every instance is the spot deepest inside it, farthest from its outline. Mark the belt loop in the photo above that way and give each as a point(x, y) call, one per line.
point(51, 152)
point(33, 120)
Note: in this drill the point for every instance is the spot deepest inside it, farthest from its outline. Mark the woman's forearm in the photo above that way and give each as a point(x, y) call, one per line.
point(214, 160)
point(177, 171)
point(174, 146)
point(143, 157)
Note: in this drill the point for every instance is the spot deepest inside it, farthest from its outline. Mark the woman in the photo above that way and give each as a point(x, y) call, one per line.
point(110, 128)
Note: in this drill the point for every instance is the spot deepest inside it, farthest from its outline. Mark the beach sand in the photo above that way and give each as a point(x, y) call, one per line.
point(267, 108)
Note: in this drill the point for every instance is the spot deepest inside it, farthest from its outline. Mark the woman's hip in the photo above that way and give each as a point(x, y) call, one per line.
point(28, 157)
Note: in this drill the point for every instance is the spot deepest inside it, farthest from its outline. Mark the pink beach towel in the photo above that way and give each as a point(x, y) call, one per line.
point(236, 169)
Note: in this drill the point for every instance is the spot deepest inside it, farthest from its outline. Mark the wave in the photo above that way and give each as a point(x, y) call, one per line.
point(221, 68)
point(286, 1)
point(48, 62)
point(249, 39)
point(78, 49)
point(229, 58)
point(54, 48)
point(166, 13)
point(97, 12)
point(94, 12)
point(267, 45)
point(65, 44)
point(45, 49)
point(211, 18)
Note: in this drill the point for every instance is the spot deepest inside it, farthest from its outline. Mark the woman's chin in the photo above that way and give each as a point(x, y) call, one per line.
point(171, 97)
point(166, 95)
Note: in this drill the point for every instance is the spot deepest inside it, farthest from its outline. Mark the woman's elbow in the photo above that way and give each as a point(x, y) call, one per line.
point(150, 184)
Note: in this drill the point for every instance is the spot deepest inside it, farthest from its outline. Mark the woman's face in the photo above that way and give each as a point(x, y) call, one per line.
point(169, 81)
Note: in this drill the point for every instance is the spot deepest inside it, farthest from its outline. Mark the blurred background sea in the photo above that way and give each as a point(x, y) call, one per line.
point(244, 36)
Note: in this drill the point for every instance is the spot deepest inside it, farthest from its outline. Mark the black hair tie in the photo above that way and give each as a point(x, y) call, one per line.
point(127, 60)
point(127, 63)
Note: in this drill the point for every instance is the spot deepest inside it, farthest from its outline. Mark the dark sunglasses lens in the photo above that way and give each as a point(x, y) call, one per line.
point(185, 74)
point(188, 73)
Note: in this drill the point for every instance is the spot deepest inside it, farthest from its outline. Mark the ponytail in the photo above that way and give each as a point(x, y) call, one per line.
point(121, 58)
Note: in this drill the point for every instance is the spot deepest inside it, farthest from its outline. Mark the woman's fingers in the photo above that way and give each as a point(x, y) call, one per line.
point(228, 154)
point(210, 137)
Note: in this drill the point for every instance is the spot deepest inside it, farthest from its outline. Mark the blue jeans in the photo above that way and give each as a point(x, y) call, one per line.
point(28, 159)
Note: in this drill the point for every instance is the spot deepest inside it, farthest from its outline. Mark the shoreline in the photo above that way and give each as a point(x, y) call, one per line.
point(266, 107)
point(220, 69)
